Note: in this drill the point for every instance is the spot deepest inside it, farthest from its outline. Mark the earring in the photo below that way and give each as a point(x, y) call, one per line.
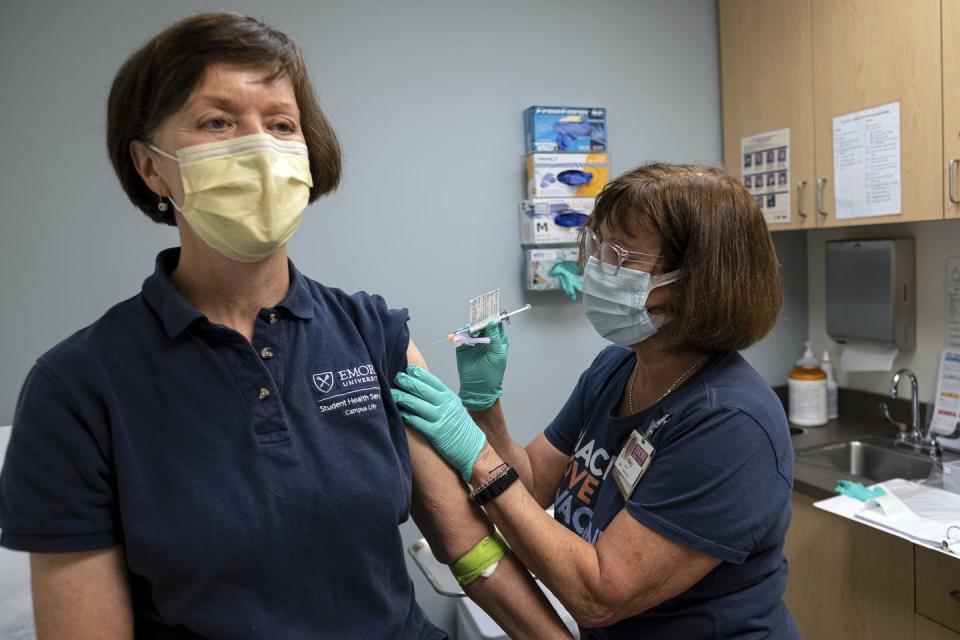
point(162, 206)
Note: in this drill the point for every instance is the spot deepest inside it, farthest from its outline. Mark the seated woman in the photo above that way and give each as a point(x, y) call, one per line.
point(219, 456)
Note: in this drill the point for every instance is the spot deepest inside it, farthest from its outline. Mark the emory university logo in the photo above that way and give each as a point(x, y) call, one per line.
point(323, 381)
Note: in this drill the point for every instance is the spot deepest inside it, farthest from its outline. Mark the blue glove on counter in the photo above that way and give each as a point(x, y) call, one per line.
point(857, 490)
point(428, 406)
point(481, 368)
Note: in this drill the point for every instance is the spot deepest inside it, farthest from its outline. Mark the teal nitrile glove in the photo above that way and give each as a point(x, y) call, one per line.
point(857, 490)
point(570, 275)
point(481, 368)
point(428, 406)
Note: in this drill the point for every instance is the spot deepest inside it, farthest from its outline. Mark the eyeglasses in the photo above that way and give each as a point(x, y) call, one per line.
point(611, 256)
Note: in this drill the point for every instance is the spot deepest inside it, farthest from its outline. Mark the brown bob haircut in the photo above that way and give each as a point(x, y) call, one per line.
point(159, 77)
point(710, 228)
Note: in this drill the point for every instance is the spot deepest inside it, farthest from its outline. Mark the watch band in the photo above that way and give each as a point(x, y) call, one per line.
point(494, 488)
point(495, 474)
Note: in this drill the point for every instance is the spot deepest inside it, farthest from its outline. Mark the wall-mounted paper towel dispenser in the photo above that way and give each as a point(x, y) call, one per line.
point(871, 291)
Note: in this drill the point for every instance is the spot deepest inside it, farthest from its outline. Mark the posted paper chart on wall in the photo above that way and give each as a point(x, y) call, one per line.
point(765, 171)
point(866, 162)
point(946, 411)
point(952, 302)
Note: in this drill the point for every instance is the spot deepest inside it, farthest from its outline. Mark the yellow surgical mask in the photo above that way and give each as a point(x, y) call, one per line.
point(245, 196)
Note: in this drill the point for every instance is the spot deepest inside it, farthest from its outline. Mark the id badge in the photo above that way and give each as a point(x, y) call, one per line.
point(632, 463)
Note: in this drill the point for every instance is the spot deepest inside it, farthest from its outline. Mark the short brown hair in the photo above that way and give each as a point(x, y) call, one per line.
point(710, 228)
point(158, 78)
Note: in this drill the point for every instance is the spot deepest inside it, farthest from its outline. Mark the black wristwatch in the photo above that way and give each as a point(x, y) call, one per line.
point(495, 487)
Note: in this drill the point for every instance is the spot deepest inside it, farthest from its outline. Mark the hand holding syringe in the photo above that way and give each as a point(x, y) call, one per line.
point(462, 335)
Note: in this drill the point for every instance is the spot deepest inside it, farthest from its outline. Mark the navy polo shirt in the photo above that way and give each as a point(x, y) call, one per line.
point(256, 488)
point(719, 482)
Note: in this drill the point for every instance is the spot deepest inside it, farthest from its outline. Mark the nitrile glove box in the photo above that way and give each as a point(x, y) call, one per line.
point(541, 261)
point(565, 129)
point(566, 175)
point(553, 220)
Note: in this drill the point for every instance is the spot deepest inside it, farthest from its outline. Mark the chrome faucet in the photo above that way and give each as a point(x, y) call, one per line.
point(917, 436)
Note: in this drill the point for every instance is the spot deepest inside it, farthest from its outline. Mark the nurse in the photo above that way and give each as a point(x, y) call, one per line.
point(219, 456)
point(670, 465)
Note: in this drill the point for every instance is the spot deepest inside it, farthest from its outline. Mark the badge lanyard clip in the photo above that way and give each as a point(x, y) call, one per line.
point(635, 458)
point(655, 425)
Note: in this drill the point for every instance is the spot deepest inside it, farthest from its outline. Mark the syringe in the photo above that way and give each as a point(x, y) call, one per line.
point(462, 335)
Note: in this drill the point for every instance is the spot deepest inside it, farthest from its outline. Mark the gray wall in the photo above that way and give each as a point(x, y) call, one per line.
point(775, 355)
point(935, 242)
point(426, 97)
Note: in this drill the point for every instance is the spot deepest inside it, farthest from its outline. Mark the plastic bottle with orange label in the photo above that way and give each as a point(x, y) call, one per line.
point(807, 392)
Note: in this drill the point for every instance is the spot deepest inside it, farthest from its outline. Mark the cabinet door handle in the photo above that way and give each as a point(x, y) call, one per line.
point(821, 183)
point(801, 187)
point(955, 594)
point(951, 173)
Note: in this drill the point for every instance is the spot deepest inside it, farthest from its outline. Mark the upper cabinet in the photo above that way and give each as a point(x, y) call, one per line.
point(868, 53)
point(951, 108)
point(766, 59)
point(814, 66)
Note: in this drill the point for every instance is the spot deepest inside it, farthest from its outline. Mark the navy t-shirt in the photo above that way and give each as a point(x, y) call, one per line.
point(719, 482)
point(256, 488)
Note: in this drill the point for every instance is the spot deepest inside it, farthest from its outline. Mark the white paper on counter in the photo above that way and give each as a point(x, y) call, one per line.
point(847, 507)
point(920, 512)
point(765, 171)
point(946, 408)
point(864, 356)
point(866, 162)
point(952, 292)
point(923, 500)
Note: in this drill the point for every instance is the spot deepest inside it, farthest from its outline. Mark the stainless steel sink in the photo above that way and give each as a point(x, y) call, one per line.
point(868, 458)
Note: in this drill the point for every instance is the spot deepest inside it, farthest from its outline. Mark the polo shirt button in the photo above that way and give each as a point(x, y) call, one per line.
point(266, 353)
point(264, 393)
point(272, 318)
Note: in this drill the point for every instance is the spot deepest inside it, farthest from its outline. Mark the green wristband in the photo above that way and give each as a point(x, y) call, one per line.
point(473, 563)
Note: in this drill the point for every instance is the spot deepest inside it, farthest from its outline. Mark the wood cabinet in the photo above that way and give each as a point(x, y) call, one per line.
point(938, 587)
point(924, 629)
point(767, 84)
point(951, 108)
point(868, 53)
point(801, 63)
point(847, 580)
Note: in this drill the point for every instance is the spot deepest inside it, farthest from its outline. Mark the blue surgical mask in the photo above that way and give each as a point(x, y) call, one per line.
point(616, 305)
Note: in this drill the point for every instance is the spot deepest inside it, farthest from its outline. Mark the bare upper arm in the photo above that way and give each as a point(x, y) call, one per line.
point(641, 568)
point(414, 356)
point(81, 595)
point(547, 464)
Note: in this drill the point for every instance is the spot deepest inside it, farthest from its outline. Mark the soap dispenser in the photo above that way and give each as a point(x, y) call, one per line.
point(832, 390)
point(807, 392)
